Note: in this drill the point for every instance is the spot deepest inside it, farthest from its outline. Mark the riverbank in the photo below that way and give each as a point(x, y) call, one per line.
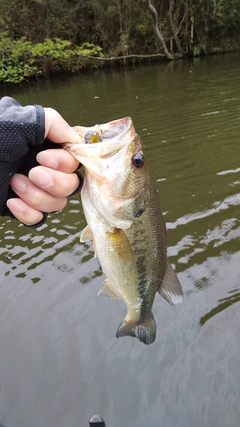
point(22, 60)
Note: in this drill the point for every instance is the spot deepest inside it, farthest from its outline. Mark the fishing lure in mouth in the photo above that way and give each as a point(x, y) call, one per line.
point(92, 137)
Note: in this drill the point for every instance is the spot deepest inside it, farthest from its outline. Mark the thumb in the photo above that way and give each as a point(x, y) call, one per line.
point(57, 129)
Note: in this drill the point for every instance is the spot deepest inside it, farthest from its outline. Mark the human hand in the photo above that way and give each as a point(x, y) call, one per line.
point(47, 186)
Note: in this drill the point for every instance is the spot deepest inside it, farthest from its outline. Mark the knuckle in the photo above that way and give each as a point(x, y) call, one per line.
point(67, 163)
point(66, 186)
point(37, 199)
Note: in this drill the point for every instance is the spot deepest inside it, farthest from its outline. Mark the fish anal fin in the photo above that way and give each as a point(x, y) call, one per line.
point(107, 290)
point(144, 331)
point(171, 289)
point(120, 244)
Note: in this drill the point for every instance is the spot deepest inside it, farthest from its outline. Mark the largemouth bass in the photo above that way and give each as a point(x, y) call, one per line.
point(125, 223)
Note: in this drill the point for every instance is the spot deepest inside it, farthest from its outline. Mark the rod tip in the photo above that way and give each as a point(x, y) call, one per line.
point(96, 421)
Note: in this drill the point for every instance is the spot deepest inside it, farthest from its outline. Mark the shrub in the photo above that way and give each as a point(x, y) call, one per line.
point(21, 60)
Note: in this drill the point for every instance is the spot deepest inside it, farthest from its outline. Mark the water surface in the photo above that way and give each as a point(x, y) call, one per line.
point(60, 360)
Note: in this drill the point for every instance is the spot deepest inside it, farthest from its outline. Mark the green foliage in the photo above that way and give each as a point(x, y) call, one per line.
point(40, 37)
point(55, 49)
point(226, 20)
point(16, 61)
point(20, 59)
point(89, 49)
point(199, 49)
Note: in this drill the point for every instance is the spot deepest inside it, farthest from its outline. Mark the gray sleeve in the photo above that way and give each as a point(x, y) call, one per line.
point(21, 137)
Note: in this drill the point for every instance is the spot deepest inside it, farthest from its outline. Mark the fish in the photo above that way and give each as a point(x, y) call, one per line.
point(125, 223)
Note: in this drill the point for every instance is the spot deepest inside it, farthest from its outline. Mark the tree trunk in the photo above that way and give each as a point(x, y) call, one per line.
point(157, 32)
point(173, 26)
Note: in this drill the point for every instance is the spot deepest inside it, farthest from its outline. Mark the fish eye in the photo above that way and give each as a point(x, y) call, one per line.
point(138, 160)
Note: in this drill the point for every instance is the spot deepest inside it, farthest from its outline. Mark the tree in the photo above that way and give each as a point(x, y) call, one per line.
point(156, 29)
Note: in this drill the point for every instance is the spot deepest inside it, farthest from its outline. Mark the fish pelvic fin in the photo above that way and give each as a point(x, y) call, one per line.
point(107, 290)
point(144, 331)
point(171, 289)
point(86, 235)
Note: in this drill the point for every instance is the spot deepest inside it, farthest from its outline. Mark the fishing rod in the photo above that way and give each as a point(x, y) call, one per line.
point(96, 421)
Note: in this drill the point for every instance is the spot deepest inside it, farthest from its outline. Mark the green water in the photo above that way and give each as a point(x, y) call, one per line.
point(60, 360)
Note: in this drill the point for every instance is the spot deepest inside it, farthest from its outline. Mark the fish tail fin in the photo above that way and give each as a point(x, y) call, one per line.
point(144, 331)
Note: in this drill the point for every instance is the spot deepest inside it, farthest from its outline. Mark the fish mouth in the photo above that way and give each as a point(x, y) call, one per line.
point(101, 141)
point(115, 129)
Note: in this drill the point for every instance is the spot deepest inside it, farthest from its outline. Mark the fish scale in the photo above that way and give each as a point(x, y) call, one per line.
point(125, 222)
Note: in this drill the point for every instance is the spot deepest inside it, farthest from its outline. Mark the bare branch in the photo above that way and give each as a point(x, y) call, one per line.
point(157, 32)
point(115, 58)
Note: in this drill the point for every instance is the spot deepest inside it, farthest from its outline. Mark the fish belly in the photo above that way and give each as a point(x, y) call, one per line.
point(134, 262)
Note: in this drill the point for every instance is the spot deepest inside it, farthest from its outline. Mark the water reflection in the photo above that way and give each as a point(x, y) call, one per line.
point(234, 296)
point(57, 337)
point(218, 206)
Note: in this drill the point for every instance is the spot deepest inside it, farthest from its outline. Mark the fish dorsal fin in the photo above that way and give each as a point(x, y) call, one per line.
point(86, 235)
point(170, 288)
point(107, 291)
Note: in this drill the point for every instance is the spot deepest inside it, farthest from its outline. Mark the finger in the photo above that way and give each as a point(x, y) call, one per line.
point(57, 129)
point(56, 183)
point(23, 212)
point(34, 196)
point(58, 159)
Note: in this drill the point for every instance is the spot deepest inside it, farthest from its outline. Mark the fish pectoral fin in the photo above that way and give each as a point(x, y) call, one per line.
point(171, 289)
point(133, 208)
point(86, 235)
point(120, 244)
point(118, 210)
point(107, 291)
point(144, 331)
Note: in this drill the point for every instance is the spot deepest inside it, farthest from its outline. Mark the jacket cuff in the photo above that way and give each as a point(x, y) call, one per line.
point(40, 118)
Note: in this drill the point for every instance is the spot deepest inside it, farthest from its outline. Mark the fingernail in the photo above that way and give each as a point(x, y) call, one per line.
point(72, 130)
point(40, 177)
point(75, 135)
point(18, 184)
point(15, 206)
point(46, 159)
